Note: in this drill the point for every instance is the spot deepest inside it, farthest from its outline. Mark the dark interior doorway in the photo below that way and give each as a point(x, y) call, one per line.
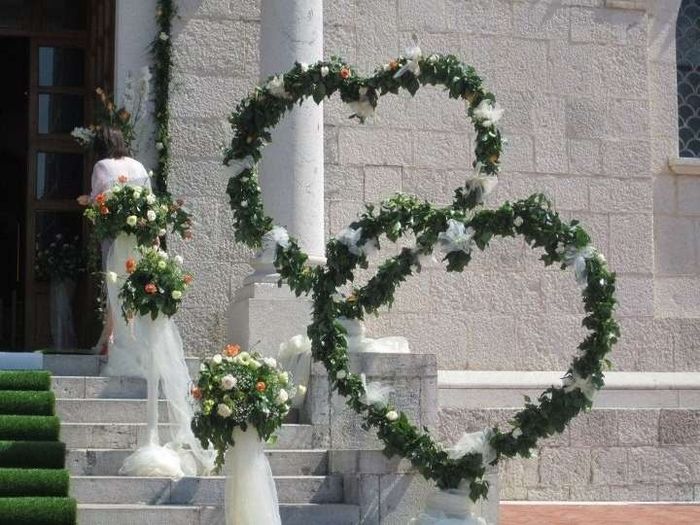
point(14, 93)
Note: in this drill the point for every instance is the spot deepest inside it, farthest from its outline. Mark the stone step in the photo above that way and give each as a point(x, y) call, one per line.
point(197, 490)
point(505, 389)
point(299, 514)
point(95, 387)
point(126, 435)
point(106, 462)
point(91, 365)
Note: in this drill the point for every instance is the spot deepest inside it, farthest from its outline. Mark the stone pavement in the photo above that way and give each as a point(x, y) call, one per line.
point(620, 514)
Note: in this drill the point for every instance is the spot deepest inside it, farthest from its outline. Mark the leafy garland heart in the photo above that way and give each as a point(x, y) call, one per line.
point(456, 228)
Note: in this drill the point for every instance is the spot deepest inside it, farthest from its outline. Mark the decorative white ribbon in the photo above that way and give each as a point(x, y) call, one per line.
point(577, 257)
point(413, 56)
point(456, 238)
point(474, 443)
point(362, 107)
point(240, 165)
point(480, 182)
point(350, 237)
point(276, 87)
point(277, 236)
point(375, 392)
point(584, 384)
point(487, 113)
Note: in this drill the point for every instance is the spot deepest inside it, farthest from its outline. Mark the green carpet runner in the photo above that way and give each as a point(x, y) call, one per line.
point(34, 483)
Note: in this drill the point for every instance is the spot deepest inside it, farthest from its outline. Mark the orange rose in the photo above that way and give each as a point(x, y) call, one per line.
point(187, 278)
point(130, 265)
point(196, 393)
point(393, 65)
point(100, 199)
point(260, 386)
point(232, 350)
point(124, 115)
point(345, 73)
point(104, 210)
point(150, 288)
point(123, 179)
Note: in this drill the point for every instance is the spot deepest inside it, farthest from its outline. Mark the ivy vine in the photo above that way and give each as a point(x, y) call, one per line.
point(162, 52)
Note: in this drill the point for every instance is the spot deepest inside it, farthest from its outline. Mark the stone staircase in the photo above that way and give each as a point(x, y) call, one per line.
point(101, 421)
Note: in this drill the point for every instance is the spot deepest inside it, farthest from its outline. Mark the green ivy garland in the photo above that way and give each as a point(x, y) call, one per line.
point(162, 52)
point(564, 243)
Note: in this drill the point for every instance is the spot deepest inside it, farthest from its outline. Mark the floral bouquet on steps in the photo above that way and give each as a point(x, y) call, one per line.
point(242, 400)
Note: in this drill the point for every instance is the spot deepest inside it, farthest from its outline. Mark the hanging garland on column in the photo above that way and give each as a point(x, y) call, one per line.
point(456, 229)
point(162, 52)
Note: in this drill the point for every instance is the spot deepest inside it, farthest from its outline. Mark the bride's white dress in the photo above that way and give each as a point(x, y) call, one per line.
point(151, 349)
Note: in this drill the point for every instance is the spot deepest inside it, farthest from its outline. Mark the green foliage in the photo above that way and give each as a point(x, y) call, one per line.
point(17, 402)
point(25, 380)
point(38, 511)
point(258, 394)
point(531, 218)
point(32, 454)
point(17, 482)
point(59, 258)
point(29, 428)
point(156, 285)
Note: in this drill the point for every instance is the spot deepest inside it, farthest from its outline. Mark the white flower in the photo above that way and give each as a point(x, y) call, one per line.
point(432, 59)
point(342, 374)
point(162, 232)
point(456, 237)
point(301, 390)
point(84, 136)
point(350, 237)
point(413, 56)
point(277, 236)
point(202, 367)
point(392, 415)
point(164, 207)
point(112, 277)
point(481, 183)
point(283, 377)
point(240, 165)
point(228, 382)
point(475, 443)
point(224, 410)
point(276, 87)
point(151, 215)
point(304, 67)
point(270, 361)
point(137, 191)
point(160, 146)
point(487, 113)
point(517, 433)
point(150, 198)
point(217, 359)
point(244, 204)
point(163, 36)
point(577, 257)
point(518, 221)
point(162, 265)
point(150, 173)
point(282, 397)
point(163, 254)
point(178, 259)
point(576, 382)
point(324, 71)
point(176, 294)
point(131, 220)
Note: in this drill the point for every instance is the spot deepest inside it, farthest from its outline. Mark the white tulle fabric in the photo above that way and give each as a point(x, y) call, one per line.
point(250, 494)
point(295, 357)
point(106, 174)
point(61, 293)
point(357, 342)
point(153, 349)
point(448, 507)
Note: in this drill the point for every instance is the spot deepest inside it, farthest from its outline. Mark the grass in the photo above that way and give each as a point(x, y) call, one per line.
point(29, 428)
point(25, 380)
point(38, 511)
point(18, 482)
point(32, 454)
point(18, 402)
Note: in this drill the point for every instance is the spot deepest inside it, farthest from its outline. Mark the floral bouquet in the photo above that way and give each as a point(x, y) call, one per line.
point(155, 284)
point(236, 389)
point(61, 259)
point(137, 211)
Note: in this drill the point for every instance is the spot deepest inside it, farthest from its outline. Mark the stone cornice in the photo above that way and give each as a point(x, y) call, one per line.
point(637, 5)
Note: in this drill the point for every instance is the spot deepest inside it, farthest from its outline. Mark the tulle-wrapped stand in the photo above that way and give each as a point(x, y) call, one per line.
point(449, 507)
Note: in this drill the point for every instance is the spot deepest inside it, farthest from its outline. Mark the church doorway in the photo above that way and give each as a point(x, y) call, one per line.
point(53, 54)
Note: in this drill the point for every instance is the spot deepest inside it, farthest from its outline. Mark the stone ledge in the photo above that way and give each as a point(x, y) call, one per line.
point(636, 5)
point(684, 165)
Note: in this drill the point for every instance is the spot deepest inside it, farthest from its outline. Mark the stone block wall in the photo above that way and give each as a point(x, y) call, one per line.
point(588, 90)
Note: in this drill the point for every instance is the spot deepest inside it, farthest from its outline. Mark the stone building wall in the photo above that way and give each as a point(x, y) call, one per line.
point(589, 94)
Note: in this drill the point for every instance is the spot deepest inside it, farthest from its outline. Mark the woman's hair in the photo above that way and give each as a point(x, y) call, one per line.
point(110, 143)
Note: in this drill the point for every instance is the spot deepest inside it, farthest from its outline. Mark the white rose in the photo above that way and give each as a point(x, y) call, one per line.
point(282, 397)
point(252, 363)
point(228, 382)
point(224, 410)
point(159, 146)
point(150, 198)
point(163, 36)
point(162, 232)
point(217, 359)
point(283, 377)
point(116, 189)
point(270, 361)
point(301, 390)
point(178, 259)
point(162, 265)
point(325, 71)
point(137, 191)
point(342, 374)
point(163, 207)
point(202, 367)
point(176, 294)
point(151, 215)
point(131, 220)
point(304, 67)
point(392, 415)
point(518, 221)
point(276, 87)
point(112, 277)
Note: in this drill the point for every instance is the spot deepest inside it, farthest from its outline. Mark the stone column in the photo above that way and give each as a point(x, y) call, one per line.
point(291, 180)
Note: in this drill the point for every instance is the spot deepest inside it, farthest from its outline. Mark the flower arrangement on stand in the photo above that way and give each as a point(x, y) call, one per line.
point(155, 285)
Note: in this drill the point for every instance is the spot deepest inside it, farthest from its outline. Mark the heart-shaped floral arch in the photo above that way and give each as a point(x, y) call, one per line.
point(455, 228)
